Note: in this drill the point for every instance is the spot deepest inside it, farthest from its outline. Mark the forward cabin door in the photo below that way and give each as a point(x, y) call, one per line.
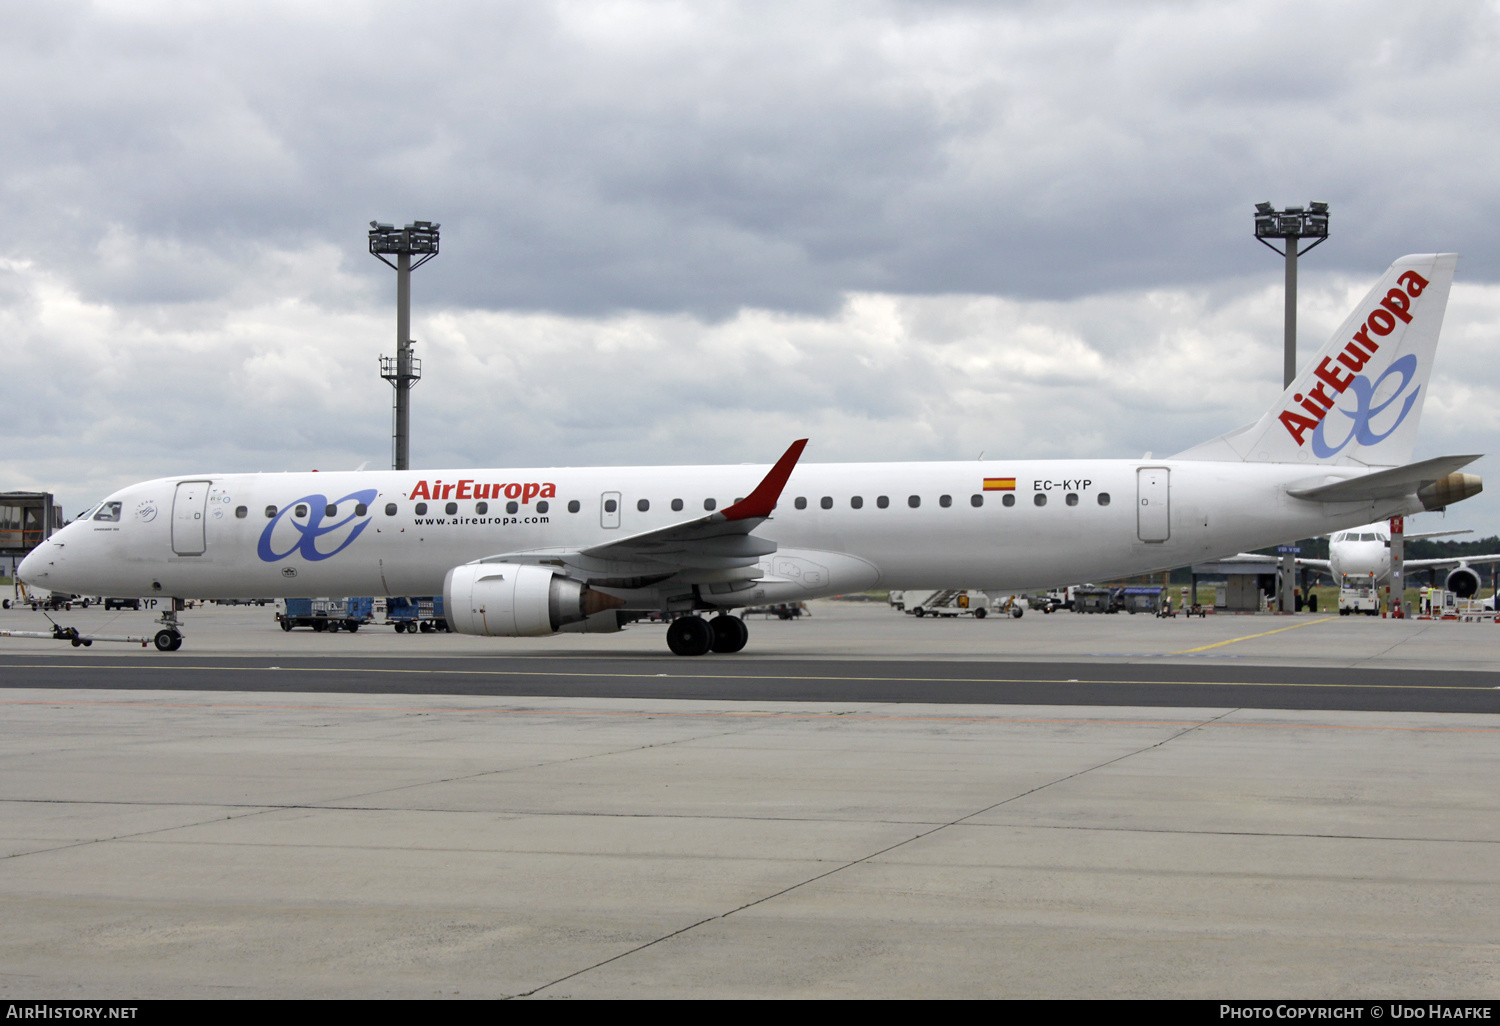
point(1153, 488)
point(188, 508)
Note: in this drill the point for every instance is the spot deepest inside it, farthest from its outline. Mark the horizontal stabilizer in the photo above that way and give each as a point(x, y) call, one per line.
point(1385, 484)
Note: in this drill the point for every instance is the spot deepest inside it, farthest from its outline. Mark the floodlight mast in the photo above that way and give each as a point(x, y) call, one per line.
point(1291, 225)
point(404, 370)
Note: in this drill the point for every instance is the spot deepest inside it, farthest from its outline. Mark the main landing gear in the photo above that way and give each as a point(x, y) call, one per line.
point(695, 636)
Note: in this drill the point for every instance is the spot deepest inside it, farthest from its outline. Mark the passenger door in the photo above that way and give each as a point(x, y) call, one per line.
point(188, 508)
point(1153, 491)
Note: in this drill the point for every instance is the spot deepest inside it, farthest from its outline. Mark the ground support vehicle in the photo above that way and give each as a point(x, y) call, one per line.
point(1145, 599)
point(410, 615)
point(1358, 595)
point(326, 614)
point(949, 602)
point(1094, 600)
point(781, 610)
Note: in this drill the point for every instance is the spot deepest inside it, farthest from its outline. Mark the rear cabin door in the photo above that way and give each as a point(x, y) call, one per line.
point(609, 509)
point(188, 522)
point(1152, 505)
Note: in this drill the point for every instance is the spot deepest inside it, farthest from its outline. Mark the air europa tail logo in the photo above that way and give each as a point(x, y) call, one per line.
point(1332, 380)
point(470, 489)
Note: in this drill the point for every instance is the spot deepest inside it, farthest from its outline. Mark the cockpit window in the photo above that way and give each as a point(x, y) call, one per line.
point(109, 512)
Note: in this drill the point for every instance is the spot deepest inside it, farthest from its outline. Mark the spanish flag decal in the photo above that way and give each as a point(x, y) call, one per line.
point(999, 484)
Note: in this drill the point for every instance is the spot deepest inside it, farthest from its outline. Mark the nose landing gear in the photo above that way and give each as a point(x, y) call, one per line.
point(169, 638)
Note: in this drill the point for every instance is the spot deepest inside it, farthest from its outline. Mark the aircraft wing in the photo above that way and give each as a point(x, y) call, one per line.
point(718, 544)
point(1451, 561)
point(1271, 562)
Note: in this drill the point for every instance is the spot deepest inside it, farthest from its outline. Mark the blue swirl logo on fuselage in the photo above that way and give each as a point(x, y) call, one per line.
point(1364, 410)
point(308, 533)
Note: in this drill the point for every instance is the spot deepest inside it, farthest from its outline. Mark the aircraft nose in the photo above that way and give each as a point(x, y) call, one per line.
point(33, 567)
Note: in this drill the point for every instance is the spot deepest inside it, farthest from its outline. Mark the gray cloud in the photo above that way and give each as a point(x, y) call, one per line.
point(593, 157)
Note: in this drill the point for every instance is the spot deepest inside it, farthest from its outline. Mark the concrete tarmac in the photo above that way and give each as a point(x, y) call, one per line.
point(189, 842)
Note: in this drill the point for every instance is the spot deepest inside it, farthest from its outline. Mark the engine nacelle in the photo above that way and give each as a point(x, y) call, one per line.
point(516, 600)
point(1445, 491)
point(1463, 582)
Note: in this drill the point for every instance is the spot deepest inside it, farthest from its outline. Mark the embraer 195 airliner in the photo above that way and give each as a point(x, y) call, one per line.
point(541, 551)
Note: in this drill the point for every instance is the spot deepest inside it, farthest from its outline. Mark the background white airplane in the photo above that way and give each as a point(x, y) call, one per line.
point(1364, 553)
point(535, 552)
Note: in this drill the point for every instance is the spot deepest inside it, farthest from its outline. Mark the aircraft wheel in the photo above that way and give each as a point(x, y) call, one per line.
point(1312, 603)
point(5, 604)
point(167, 640)
point(730, 633)
point(690, 636)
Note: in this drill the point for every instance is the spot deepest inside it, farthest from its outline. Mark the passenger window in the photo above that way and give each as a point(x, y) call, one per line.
point(481, 508)
point(710, 504)
point(1104, 498)
point(858, 502)
point(331, 511)
point(643, 504)
point(1072, 499)
point(543, 506)
point(945, 501)
point(1039, 499)
point(421, 508)
point(360, 509)
point(883, 501)
point(512, 507)
point(676, 505)
point(390, 509)
point(914, 501)
point(449, 509)
point(241, 512)
point(1009, 500)
point(610, 505)
point(976, 500)
point(801, 502)
point(300, 511)
point(270, 512)
point(826, 502)
point(573, 506)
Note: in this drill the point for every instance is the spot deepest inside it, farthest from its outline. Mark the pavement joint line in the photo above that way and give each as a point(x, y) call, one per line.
point(1247, 637)
point(874, 855)
point(764, 715)
point(595, 814)
point(775, 677)
point(546, 765)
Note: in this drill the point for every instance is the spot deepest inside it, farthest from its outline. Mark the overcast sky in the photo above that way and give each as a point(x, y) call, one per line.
point(691, 232)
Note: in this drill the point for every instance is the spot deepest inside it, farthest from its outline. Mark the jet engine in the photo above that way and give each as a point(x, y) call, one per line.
point(515, 600)
point(1463, 582)
point(1445, 491)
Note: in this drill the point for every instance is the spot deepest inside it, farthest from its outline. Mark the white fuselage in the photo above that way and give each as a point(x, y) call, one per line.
point(265, 535)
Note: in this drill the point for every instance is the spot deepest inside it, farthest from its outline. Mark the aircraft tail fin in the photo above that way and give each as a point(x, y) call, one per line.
point(1359, 400)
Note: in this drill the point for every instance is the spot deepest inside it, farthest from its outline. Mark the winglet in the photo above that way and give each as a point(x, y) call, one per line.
point(760, 502)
